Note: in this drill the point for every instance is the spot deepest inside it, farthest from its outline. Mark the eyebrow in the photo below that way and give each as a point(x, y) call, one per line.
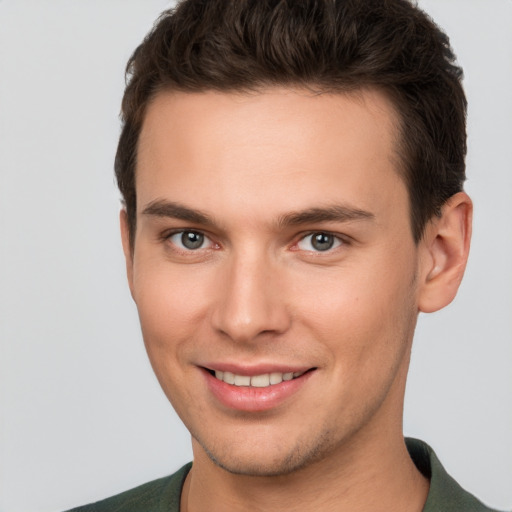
point(333, 213)
point(162, 208)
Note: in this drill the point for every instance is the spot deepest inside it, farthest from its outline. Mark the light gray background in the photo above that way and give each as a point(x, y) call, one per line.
point(82, 416)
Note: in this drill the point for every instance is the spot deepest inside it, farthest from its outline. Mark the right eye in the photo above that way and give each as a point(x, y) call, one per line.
point(190, 240)
point(319, 242)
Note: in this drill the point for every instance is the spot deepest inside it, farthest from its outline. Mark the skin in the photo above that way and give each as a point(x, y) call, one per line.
point(258, 293)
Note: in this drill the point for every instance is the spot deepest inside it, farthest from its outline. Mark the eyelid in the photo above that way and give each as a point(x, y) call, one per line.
point(341, 239)
point(167, 235)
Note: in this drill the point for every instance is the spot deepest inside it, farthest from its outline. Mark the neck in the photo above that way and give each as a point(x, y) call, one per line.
point(381, 477)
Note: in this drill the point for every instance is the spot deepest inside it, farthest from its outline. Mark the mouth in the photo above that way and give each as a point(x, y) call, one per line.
point(255, 389)
point(256, 381)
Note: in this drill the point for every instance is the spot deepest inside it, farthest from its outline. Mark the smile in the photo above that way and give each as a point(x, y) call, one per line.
point(257, 381)
point(253, 389)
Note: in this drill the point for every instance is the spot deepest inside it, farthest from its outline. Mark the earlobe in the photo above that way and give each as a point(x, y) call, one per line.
point(446, 248)
point(127, 248)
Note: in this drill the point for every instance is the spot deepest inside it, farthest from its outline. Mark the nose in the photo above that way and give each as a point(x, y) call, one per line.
point(251, 302)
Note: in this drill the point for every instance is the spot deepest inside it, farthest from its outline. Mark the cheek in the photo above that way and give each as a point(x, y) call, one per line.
point(360, 311)
point(365, 325)
point(169, 308)
point(170, 303)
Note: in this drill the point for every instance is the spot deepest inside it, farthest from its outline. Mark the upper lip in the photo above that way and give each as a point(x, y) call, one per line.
point(255, 369)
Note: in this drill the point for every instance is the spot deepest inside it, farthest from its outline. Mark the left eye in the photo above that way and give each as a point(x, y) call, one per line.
point(190, 240)
point(319, 242)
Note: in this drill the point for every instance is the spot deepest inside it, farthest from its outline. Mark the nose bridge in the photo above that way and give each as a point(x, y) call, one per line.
point(250, 303)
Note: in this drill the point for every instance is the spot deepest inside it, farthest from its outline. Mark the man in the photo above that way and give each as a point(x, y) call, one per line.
point(292, 175)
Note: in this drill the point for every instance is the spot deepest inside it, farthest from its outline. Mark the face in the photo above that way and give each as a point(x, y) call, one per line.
point(274, 271)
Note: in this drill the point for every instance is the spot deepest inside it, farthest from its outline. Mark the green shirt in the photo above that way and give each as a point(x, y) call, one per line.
point(163, 495)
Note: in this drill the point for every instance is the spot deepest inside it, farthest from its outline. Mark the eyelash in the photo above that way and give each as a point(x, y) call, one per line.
point(337, 241)
point(167, 237)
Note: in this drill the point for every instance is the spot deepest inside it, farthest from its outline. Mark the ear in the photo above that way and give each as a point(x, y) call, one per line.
point(445, 248)
point(127, 248)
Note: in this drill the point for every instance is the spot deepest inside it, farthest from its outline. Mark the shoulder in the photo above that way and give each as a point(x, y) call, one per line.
point(445, 494)
point(155, 496)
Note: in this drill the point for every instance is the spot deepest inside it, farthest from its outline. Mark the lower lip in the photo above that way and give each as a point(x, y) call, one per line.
point(253, 399)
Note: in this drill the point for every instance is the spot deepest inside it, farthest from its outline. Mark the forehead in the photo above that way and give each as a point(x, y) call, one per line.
point(278, 146)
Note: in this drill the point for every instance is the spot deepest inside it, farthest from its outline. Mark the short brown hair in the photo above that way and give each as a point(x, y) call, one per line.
point(327, 45)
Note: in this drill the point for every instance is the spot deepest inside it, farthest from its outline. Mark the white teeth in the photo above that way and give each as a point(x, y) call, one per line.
point(260, 381)
point(242, 380)
point(257, 381)
point(276, 378)
point(229, 377)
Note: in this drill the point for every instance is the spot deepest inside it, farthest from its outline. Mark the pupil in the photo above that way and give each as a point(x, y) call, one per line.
point(322, 241)
point(192, 240)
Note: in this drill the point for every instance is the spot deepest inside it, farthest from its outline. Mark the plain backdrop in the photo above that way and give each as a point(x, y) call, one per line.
point(82, 416)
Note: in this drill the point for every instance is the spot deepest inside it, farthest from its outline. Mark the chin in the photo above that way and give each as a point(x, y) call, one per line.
point(268, 462)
